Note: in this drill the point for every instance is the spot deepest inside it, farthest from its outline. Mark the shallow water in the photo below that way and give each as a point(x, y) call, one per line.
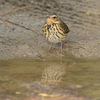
point(84, 73)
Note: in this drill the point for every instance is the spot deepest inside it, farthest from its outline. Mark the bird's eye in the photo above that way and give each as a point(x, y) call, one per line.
point(54, 17)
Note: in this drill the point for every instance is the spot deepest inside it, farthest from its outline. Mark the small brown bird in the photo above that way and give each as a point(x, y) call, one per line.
point(55, 30)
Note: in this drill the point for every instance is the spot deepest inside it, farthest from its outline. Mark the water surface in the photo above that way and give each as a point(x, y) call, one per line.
point(84, 73)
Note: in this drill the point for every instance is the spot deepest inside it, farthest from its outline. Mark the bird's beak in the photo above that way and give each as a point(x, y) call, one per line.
point(47, 16)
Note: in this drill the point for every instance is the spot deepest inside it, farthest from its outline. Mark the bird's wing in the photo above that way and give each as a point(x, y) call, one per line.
point(64, 28)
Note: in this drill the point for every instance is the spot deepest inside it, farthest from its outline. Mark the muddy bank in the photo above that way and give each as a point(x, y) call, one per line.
point(82, 17)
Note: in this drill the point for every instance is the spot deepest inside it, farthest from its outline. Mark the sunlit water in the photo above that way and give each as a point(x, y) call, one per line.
point(84, 73)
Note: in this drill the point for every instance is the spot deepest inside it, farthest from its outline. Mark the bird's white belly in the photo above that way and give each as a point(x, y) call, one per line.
point(54, 39)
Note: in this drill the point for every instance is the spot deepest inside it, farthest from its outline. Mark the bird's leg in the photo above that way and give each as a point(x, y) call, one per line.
point(50, 47)
point(61, 49)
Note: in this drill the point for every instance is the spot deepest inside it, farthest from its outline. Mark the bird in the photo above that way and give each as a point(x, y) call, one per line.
point(55, 30)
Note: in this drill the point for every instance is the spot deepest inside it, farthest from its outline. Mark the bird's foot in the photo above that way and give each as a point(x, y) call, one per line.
point(49, 49)
point(62, 52)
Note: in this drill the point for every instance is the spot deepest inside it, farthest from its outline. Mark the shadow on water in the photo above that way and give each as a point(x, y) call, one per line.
point(80, 75)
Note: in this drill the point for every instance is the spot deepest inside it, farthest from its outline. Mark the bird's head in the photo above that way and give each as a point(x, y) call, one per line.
point(53, 19)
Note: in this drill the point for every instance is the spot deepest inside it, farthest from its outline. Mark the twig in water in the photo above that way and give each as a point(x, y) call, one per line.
point(22, 26)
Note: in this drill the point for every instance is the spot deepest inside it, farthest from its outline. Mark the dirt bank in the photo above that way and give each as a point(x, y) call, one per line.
point(82, 17)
